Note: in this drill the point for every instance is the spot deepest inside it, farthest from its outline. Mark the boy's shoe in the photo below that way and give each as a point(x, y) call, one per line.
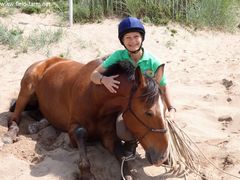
point(130, 148)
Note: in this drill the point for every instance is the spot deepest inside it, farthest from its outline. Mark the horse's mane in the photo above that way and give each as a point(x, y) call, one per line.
point(121, 67)
point(150, 93)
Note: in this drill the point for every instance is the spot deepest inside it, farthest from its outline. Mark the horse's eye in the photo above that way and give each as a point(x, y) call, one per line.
point(149, 113)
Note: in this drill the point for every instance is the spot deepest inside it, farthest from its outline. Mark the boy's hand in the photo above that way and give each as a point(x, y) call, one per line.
point(171, 113)
point(110, 83)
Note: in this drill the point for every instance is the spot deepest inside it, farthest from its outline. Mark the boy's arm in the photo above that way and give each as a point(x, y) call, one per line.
point(164, 88)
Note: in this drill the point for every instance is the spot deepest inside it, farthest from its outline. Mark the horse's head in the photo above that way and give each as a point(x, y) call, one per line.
point(144, 114)
point(144, 117)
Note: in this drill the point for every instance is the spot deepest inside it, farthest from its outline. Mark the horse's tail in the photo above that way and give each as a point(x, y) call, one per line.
point(12, 105)
point(31, 106)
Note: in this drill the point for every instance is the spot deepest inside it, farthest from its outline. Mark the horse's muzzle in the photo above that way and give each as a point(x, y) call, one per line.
point(156, 158)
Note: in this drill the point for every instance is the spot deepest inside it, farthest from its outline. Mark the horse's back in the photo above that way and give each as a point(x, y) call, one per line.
point(54, 90)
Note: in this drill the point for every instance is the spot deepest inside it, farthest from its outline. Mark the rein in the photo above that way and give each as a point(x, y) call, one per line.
point(149, 129)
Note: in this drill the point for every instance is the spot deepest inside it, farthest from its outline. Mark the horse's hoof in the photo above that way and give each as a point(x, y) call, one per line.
point(36, 127)
point(7, 139)
point(11, 136)
point(33, 128)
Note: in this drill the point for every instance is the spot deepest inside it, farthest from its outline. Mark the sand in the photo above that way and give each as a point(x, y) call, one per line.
point(203, 73)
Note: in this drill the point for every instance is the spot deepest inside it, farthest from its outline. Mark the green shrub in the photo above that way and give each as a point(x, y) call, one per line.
point(31, 9)
point(219, 14)
point(90, 12)
point(10, 37)
point(156, 14)
point(6, 11)
point(41, 38)
point(13, 38)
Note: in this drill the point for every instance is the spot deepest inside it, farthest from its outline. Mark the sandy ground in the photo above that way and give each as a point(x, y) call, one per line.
point(203, 73)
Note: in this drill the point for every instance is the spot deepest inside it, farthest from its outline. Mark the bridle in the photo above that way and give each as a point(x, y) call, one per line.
point(149, 129)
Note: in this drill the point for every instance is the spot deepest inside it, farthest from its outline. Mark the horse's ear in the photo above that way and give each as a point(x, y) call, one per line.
point(139, 78)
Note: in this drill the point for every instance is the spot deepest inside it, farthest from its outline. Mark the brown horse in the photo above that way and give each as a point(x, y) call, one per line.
point(72, 103)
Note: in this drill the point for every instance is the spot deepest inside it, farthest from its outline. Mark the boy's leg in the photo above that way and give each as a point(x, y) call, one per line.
point(122, 131)
point(124, 134)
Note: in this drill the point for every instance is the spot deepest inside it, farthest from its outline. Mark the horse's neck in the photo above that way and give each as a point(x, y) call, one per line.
point(112, 101)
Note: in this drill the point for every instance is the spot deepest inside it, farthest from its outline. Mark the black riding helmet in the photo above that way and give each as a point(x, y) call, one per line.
point(130, 24)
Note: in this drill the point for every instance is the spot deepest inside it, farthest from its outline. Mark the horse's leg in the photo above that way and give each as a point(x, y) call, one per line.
point(78, 136)
point(34, 112)
point(25, 94)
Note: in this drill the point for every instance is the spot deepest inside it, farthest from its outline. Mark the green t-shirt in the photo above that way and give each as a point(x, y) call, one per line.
point(148, 63)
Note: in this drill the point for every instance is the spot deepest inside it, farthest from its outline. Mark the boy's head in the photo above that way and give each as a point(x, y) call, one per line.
point(130, 24)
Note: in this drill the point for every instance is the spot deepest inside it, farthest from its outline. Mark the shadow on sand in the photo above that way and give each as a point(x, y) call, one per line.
point(55, 157)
